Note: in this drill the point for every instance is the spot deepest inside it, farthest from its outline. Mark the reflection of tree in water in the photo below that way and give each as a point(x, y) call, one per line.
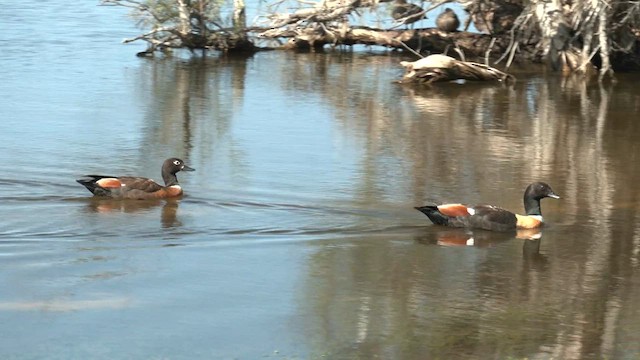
point(191, 105)
point(471, 140)
point(464, 140)
point(473, 136)
point(384, 300)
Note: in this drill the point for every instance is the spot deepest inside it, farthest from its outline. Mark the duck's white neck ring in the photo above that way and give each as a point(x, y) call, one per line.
point(537, 217)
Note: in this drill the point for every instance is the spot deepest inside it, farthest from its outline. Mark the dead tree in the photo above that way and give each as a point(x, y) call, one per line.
point(575, 36)
point(187, 24)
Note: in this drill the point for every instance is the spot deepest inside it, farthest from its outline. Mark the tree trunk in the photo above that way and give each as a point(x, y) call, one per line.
point(239, 17)
point(556, 33)
point(603, 39)
point(185, 18)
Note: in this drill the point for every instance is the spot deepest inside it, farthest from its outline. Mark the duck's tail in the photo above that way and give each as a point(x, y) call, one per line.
point(434, 214)
point(90, 182)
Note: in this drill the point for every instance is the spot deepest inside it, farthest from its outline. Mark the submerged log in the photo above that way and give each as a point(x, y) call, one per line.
point(436, 68)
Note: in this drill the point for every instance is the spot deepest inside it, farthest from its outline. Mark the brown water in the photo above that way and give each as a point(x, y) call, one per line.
point(296, 238)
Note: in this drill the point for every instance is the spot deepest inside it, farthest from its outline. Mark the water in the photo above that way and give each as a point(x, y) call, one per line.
point(297, 238)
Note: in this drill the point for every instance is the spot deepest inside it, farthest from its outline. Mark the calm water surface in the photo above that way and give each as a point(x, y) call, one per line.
point(296, 238)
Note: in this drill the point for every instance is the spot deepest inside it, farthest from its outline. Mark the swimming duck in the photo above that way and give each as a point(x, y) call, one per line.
point(407, 13)
point(490, 217)
point(127, 187)
point(447, 21)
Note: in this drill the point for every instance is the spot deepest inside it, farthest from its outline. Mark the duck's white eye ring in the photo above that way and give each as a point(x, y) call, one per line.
point(176, 162)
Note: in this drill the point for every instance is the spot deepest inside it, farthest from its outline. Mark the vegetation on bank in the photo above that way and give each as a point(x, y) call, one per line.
point(574, 36)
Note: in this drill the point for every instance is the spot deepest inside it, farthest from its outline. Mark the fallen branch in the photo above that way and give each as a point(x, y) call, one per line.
point(427, 40)
point(437, 68)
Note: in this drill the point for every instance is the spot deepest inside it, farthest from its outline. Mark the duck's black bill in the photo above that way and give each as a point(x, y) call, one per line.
point(187, 168)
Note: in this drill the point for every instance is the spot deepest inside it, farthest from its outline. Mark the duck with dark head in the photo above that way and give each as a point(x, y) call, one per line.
point(406, 13)
point(491, 217)
point(447, 21)
point(129, 187)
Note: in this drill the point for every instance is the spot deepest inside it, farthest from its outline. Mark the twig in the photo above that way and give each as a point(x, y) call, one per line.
point(409, 48)
point(457, 49)
point(147, 35)
point(486, 54)
point(512, 55)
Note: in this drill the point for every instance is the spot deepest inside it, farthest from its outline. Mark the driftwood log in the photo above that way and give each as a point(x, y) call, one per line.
point(327, 23)
point(436, 68)
point(430, 40)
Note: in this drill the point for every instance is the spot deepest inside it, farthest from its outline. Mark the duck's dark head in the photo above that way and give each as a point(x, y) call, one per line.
point(169, 169)
point(175, 165)
point(539, 190)
point(533, 194)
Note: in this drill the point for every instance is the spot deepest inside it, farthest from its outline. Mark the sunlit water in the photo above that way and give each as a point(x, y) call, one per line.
point(297, 236)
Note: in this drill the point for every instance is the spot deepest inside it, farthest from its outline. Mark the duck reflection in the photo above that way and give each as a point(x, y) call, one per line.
point(457, 237)
point(465, 237)
point(168, 216)
point(531, 254)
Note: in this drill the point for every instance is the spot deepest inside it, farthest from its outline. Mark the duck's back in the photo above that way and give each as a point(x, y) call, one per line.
point(140, 183)
point(490, 217)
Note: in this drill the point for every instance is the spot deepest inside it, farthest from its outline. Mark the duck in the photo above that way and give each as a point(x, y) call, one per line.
point(447, 21)
point(129, 187)
point(407, 13)
point(489, 217)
